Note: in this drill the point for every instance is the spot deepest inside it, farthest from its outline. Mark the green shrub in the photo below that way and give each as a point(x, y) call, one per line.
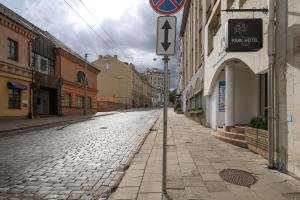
point(178, 106)
point(259, 123)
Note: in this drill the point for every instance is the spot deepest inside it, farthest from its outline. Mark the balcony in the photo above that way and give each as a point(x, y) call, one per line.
point(44, 80)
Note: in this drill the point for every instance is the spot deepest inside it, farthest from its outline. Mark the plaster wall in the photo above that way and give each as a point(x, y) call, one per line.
point(257, 61)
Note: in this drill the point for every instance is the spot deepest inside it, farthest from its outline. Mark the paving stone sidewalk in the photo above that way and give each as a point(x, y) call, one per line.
point(195, 159)
point(24, 124)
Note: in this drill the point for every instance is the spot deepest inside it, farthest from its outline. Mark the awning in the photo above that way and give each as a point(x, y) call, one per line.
point(20, 86)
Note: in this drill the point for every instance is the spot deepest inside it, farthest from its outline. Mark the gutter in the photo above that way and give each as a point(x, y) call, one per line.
point(271, 82)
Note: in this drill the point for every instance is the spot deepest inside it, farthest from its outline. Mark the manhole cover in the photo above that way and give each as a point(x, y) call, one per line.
point(103, 128)
point(292, 196)
point(238, 177)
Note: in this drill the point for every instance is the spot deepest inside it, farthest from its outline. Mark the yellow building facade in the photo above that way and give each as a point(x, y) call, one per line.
point(120, 85)
point(15, 68)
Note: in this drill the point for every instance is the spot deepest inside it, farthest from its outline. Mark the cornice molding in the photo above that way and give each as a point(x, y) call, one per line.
point(15, 70)
point(16, 27)
point(78, 85)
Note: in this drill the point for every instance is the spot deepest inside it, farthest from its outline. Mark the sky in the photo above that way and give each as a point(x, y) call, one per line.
point(126, 28)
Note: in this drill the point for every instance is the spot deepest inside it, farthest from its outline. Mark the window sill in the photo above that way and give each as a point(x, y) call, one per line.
point(14, 59)
point(13, 108)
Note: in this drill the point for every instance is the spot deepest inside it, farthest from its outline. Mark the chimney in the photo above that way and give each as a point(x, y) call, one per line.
point(100, 57)
point(116, 56)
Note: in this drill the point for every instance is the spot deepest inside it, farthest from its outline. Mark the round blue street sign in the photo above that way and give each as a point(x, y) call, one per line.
point(167, 7)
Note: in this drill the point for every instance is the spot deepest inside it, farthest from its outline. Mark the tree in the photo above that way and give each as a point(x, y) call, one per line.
point(172, 96)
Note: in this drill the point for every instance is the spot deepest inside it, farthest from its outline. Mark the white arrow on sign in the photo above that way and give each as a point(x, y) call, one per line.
point(166, 36)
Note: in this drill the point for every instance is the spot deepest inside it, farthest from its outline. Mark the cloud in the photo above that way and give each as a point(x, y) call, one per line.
point(131, 25)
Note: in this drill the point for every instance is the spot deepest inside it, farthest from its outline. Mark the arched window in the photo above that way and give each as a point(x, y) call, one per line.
point(80, 77)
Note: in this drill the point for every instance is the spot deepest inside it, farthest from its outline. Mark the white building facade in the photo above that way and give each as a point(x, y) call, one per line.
point(155, 77)
point(231, 87)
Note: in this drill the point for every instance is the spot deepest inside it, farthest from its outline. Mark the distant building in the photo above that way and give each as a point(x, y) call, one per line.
point(120, 86)
point(142, 90)
point(155, 77)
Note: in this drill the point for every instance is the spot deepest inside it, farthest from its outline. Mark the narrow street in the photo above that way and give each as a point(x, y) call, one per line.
point(79, 161)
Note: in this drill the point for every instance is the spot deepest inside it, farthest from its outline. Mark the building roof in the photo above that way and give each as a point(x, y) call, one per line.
point(153, 70)
point(18, 19)
point(58, 44)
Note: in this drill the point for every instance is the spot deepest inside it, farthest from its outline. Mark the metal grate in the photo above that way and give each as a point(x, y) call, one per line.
point(238, 177)
point(103, 128)
point(292, 196)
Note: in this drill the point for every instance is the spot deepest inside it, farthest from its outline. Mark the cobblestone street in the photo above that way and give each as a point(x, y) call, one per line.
point(79, 161)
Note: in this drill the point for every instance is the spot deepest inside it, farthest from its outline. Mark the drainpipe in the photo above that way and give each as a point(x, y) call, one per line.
point(85, 85)
point(31, 91)
point(271, 76)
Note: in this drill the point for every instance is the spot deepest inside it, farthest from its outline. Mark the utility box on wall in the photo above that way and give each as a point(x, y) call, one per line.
point(243, 35)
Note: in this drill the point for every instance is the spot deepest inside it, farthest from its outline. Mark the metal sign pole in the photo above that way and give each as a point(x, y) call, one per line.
point(164, 172)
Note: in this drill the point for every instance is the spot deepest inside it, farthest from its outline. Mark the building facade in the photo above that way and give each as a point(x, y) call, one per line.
point(191, 60)
point(73, 75)
point(233, 83)
point(207, 68)
point(114, 83)
point(287, 73)
point(155, 77)
point(15, 66)
point(41, 75)
point(47, 82)
point(121, 86)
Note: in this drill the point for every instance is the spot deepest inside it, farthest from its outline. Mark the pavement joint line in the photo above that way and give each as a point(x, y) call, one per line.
point(130, 158)
point(150, 154)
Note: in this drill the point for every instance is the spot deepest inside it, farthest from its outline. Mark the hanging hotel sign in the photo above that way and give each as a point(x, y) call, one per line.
point(244, 35)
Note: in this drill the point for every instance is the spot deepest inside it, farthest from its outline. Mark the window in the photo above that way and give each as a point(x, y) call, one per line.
point(213, 28)
point(14, 98)
point(80, 77)
point(12, 49)
point(89, 103)
point(43, 65)
point(68, 100)
point(79, 101)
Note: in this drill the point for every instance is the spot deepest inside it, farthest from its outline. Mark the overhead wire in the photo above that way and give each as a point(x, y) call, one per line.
point(90, 27)
point(95, 18)
point(117, 44)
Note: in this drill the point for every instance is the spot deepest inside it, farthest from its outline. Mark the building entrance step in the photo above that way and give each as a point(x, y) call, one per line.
point(236, 142)
point(230, 134)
